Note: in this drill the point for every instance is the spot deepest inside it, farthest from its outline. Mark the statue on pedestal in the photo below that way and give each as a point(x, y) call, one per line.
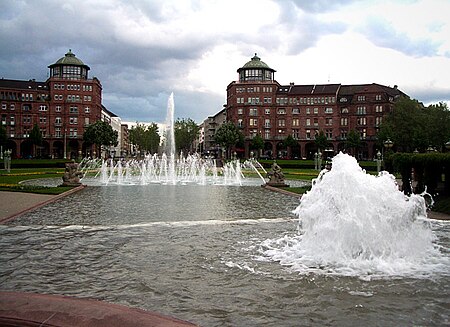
point(276, 176)
point(72, 175)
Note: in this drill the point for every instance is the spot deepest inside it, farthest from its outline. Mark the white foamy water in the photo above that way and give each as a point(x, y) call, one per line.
point(355, 224)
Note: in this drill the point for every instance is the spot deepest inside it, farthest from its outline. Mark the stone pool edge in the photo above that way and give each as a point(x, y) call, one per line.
point(23, 197)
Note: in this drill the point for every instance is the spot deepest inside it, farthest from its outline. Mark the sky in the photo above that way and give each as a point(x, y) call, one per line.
point(142, 50)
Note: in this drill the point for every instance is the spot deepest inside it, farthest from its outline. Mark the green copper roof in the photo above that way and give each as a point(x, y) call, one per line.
point(69, 59)
point(256, 63)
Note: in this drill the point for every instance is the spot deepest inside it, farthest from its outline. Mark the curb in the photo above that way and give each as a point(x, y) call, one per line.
point(36, 206)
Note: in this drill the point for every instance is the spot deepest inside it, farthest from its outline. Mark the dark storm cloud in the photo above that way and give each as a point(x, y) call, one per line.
point(382, 34)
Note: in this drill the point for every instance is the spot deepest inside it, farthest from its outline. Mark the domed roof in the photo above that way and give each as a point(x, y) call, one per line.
point(255, 63)
point(69, 59)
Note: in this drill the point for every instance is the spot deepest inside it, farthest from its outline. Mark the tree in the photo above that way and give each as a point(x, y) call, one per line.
point(289, 142)
point(101, 134)
point(186, 132)
point(321, 141)
point(257, 144)
point(3, 136)
point(227, 136)
point(353, 141)
point(405, 126)
point(146, 138)
point(35, 137)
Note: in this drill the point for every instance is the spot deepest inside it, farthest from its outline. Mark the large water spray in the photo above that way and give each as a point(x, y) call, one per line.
point(353, 223)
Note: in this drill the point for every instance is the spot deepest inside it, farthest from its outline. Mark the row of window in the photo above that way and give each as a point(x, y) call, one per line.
point(360, 121)
point(308, 134)
point(27, 120)
point(264, 89)
point(74, 87)
point(72, 98)
point(44, 108)
point(361, 110)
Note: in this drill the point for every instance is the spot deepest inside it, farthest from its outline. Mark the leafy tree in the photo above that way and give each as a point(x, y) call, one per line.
point(146, 138)
point(437, 120)
point(186, 132)
point(227, 136)
point(101, 133)
point(257, 144)
point(405, 126)
point(321, 141)
point(353, 141)
point(35, 137)
point(3, 136)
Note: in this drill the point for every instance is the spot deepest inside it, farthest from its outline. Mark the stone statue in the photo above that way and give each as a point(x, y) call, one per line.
point(276, 176)
point(72, 175)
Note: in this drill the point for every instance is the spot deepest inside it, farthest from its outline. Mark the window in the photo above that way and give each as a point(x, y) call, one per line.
point(343, 100)
point(316, 121)
point(240, 125)
point(253, 112)
point(42, 107)
point(308, 111)
point(361, 98)
point(296, 134)
point(329, 134)
point(58, 132)
point(12, 106)
point(281, 111)
point(267, 100)
point(267, 134)
point(73, 109)
point(295, 122)
point(42, 119)
point(328, 121)
point(267, 123)
point(267, 111)
point(240, 111)
point(344, 111)
point(12, 120)
point(3, 106)
point(86, 121)
point(308, 121)
point(58, 121)
point(378, 121)
point(378, 97)
point(328, 110)
point(361, 121)
point(344, 134)
point(87, 110)
point(58, 108)
point(378, 108)
point(295, 111)
point(308, 134)
point(253, 122)
point(281, 123)
point(344, 121)
point(73, 120)
point(361, 110)
point(316, 110)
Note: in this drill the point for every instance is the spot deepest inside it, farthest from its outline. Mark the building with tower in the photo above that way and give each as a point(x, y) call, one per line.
point(62, 107)
point(259, 105)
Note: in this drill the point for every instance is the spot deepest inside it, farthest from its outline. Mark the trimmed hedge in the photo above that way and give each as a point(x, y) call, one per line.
point(425, 168)
point(36, 163)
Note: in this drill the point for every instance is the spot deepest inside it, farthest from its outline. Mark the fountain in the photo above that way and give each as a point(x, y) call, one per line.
point(167, 169)
point(353, 223)
point(214, 254)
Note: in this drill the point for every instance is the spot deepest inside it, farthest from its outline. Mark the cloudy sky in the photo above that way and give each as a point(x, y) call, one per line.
point(142, 50)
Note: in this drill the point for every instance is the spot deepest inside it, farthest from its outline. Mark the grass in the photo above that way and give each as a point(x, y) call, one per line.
point(11, 182)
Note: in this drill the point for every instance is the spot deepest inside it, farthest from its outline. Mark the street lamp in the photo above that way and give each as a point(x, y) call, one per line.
point(447, 145)
point(388, 144)
point(65, 143)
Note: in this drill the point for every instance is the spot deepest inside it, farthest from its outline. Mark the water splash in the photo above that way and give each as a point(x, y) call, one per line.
point(353, 223)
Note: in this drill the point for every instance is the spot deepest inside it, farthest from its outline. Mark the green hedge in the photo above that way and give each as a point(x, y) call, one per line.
point(427, 169)
point(36, 163)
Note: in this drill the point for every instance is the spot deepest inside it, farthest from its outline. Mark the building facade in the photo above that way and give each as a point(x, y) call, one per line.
point(259, 105)
point(62, 107)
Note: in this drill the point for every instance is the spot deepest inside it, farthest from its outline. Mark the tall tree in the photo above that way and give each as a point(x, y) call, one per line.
point(405, 126)
point(101, 134)
point(353, 141)
point(186, 132)
point(227, 136)
point(257, 144)
point(321, 141)
point(35, 137)
point(146, 138)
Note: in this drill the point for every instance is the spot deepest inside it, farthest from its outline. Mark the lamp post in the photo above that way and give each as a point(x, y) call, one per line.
point(447, 145)
point(65, 144)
